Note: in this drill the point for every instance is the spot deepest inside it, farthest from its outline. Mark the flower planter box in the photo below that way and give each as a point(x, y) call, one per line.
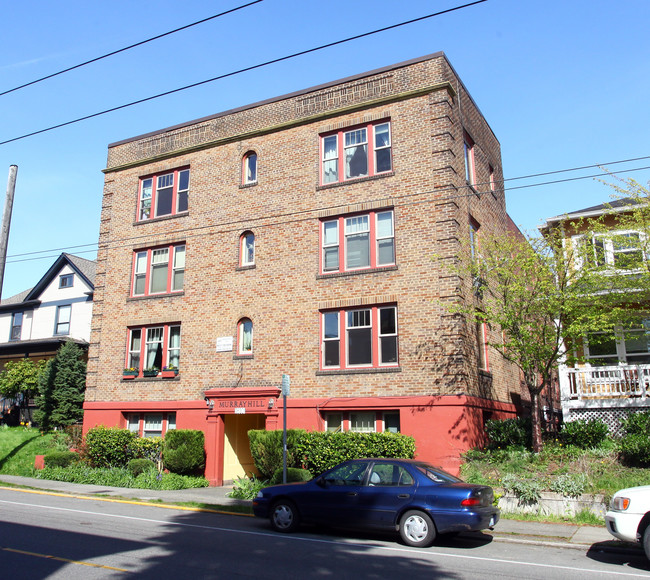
point(150, 373)
point(128, 375)
point(168, 374)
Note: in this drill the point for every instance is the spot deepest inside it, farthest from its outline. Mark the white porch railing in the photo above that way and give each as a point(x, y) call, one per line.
point(613, 382)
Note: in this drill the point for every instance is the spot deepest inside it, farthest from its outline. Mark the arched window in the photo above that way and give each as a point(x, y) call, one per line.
point(249, 170)
point(247, 249)
point(245, 336)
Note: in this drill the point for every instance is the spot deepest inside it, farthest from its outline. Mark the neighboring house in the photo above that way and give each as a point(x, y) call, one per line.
point(614, 377)
point(312, 235)
point(34, 323)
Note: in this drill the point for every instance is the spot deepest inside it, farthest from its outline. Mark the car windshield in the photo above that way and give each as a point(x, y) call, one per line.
point(437, 475)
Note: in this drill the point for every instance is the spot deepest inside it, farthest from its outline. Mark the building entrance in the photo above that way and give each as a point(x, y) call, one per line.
point(237, 458)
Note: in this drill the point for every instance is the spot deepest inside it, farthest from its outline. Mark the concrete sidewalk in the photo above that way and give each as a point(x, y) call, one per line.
point(561, 535)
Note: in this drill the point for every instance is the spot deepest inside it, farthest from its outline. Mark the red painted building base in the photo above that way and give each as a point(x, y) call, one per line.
point(443, 426)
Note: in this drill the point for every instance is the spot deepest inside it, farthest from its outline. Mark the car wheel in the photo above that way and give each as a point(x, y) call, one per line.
point(646, 542)
point(417, 529)
point(284, 516)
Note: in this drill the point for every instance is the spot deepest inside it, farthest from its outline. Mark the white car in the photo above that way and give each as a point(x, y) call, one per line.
point(628, 517)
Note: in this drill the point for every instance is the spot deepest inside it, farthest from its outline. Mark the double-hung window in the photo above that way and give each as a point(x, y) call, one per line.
point(16, 326)
point(158, 270)
point(359, 152)
point(626, 346)
point(358, 242)
point(154, 347)
point(622, 250)
point(164, 194)
point(360, 337)
point(62, 324)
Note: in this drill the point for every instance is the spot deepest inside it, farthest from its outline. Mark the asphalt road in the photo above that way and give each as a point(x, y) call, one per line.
point(46, 536)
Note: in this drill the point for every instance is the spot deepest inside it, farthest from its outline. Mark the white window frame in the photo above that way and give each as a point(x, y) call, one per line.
point(249, 176)
point(61, 320)
point(366, 421)
point(246, 249)
point(241, 334)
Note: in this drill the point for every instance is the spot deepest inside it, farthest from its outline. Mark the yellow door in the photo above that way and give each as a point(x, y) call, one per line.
point(237, 458)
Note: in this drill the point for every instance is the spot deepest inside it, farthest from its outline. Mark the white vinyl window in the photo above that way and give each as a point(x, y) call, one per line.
point(63, 314)
point(153, 425)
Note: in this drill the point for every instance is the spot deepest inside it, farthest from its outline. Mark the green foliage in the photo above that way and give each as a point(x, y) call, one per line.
point(109, 447)
point(504, 433)
point(20, 376)
point(60, 458)
point(570, 484)
point(635, 449)
point(266, 449)
point(184, 451)
point(527, 490)
point(294, 474)
point(636, 423)
point(147, 448)
point(138, 466)
point(246, 488)
point(323, 450)
point(19, 447)
point(121, 477)
point(61, 389)
point(584, 433)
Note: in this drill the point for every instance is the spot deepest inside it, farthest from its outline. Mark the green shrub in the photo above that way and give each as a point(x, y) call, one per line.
point(138, 466)
point(584, 434)
point(635, 449)
point(146, 448)
point(293, 474)
point(109, 447)
point(60, 458)
point(515, 432)
point(266, 449)
point(322, 450)
point(184, 451)
point(570, 484)
point(246, 488)
point(526, 490)
point(636, 423)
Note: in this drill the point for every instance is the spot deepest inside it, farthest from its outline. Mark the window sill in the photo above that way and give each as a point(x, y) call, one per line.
point(355, 180)
point(244, 268)
point(356, 272)
point(364, 371)
point(153, 296)
point(161, 218)
point(242, 357)
point(150, 379)
point(484, 373)
point(247, 185)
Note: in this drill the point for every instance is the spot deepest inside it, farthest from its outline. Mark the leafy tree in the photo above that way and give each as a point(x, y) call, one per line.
point(62, 388)
point(19, 380)
point(531, 289)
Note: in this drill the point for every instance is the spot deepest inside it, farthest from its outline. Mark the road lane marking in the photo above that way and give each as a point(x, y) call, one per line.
point(403, 550)
point(59, 559)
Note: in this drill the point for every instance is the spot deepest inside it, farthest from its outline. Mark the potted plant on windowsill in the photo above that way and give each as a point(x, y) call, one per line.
point(130, 373)
point(169, 372)
point(150, 372)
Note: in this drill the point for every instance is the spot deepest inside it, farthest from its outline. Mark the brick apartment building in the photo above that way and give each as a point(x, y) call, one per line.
point(309, 234)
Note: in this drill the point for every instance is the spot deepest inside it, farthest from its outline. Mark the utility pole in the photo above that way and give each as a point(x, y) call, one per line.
point(6, 221)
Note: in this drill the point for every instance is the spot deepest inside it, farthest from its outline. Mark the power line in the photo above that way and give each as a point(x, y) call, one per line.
point(240, 71)
point(225, 226)
point(113, 53)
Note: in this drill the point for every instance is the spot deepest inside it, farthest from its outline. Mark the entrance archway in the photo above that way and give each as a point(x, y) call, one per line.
point(237, 458)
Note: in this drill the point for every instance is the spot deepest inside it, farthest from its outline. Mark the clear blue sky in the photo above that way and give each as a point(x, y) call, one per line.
point(563, 83)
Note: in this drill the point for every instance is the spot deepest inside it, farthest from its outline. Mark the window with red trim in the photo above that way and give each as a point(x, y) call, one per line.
point(154, 347)
point(249, 168)
point(359, 337)
point(158, 270)
point(482, 346)
point(357, 242)
point(354, 153)
point(150, 424)
point(163, 194)
point(247, 249)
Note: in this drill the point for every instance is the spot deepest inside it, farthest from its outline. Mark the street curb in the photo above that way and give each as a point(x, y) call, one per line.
point(127, 501)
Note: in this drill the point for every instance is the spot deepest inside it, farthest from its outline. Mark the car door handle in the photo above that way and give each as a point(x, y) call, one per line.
point(403, 496)
point(352, 493)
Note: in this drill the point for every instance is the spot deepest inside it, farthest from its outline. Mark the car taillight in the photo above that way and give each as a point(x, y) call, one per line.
point(621, 503)
point(470, 502)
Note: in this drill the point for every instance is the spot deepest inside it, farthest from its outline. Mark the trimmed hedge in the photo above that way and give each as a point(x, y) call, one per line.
point(318, 451)
point(635, 443)
point(109, 447)
point(504, 433)
point(138, 466)
point(293, 474)
point(585, 434)
point(60, 458)
point(184, 451)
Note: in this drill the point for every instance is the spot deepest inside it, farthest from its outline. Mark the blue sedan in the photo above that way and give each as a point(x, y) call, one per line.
point(413, 497)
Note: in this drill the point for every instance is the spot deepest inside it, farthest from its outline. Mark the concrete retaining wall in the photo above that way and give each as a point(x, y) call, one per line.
point(554, 504)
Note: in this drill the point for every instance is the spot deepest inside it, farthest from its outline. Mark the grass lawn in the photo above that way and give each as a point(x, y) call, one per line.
point(18, 448)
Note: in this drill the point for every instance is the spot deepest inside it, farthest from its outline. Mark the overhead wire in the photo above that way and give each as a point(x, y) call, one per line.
point(131, 46)
point(239, 71)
